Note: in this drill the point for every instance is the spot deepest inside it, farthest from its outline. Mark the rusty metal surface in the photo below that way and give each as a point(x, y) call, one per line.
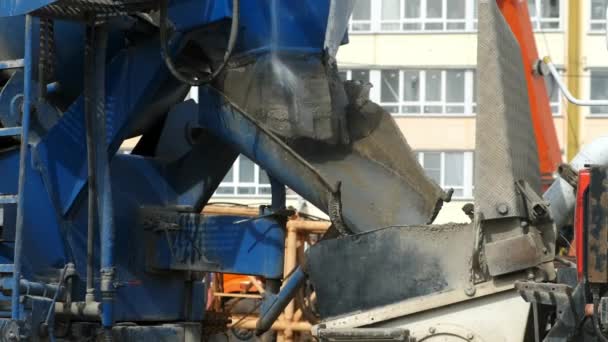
point(597, 237)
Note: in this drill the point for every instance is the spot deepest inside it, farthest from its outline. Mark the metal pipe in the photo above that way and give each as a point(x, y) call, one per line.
point(104, 184)
point(231, 210)
point(90, 111)
point(251, 322)
point(25, 124)
point(309, 226)
point(30, 287)
point(285, 296)
point(566, 92)
point(90, 310)
point(561, 193)
point(289, 265)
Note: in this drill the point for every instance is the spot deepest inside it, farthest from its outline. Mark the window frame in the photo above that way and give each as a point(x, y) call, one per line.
point(468, 103)
point(470, 20)
point(236, 183)
point(596, 21)
point(370, 22)
point(589, 112)
point(468, 168)
point(423, 19)
point(538, 20)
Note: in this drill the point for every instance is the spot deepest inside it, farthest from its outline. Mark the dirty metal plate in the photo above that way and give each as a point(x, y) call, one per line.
point(362, 148)
point(364, 334)
point(597, 237)
point(515, 253)
point(382, 182)
point(506, 150)
point(369, 270)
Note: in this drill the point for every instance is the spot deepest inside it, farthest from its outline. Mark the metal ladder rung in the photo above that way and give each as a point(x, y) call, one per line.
point(10, 131)
point(8, 199)
point(11, 64)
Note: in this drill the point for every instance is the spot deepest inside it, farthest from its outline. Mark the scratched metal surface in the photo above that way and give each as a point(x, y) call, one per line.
point(505, 146)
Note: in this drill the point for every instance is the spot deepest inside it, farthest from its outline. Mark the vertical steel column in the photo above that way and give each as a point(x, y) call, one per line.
point(91, 135)
point(25, 124)
point(104, 185)
point(279, 196)
point(278, 302)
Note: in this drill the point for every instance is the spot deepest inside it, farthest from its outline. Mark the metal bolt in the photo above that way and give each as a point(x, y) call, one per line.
point(531, 274)
point(503, 209)
point(470, 291)
point(470, 336)
point(432, 330)
point(545, 250)
point(540, 68)
point(12, 336)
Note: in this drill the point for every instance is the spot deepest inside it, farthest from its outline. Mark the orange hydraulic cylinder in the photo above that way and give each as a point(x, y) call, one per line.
point(517, 16)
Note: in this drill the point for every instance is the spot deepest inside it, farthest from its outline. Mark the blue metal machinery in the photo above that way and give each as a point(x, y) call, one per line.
point(92, 239)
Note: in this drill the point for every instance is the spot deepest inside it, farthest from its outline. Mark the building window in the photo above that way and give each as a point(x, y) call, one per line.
point(450, 170)
point(439, 15)
point(420, 92)
point(599, 90)
point(424, 15)
point(545, 14)
point(554, 94)
point(245, 178)
point(427, 92)
point(598, 15)
point(361, 75)
point(361, 18)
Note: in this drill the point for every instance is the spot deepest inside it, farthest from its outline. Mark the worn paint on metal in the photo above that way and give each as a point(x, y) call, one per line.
point(597, 227)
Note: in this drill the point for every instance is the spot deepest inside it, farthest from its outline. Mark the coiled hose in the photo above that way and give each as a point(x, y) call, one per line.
point(164, 39)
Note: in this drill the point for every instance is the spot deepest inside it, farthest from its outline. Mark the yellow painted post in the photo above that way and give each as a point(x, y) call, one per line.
point(574, 68)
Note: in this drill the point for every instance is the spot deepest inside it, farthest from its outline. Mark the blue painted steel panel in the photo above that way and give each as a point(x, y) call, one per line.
point(132, 78)
point(281, 23)
point(225, 244)
point(189, 14)
point(54, 229)
point(45, 249)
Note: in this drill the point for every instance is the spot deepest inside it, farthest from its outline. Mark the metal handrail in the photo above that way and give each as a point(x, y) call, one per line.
point(579, 102)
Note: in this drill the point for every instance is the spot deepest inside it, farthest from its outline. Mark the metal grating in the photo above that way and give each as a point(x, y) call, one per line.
point(506, 150)
point(87, 9)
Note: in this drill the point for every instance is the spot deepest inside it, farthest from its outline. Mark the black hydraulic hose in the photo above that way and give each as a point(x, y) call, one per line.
point(164, 39)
